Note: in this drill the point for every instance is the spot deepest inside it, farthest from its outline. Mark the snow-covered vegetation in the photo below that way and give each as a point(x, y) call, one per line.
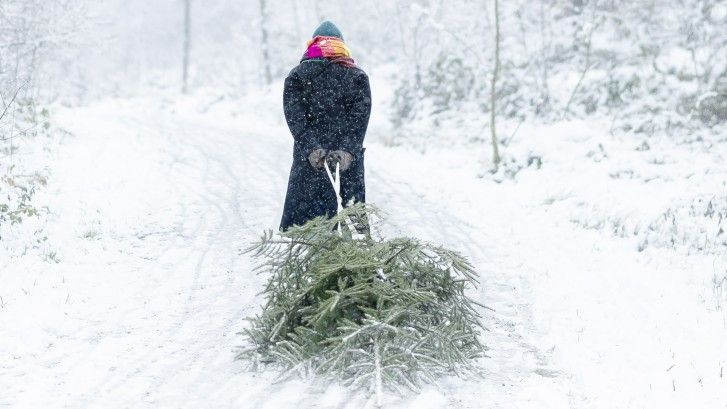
point(142, 145)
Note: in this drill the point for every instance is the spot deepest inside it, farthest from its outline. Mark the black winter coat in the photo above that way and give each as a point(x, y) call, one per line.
point(327, 106)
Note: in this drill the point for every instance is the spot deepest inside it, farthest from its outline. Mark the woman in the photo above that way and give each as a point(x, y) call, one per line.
point(327, 102)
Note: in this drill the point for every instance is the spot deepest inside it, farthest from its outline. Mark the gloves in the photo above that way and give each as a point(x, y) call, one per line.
point(317, 158)
point(343, 158)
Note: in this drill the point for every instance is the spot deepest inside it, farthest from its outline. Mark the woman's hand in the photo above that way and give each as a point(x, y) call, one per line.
point(317, 158)
point(343, 158)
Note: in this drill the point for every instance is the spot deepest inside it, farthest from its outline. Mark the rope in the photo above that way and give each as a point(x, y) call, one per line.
point(336, 183)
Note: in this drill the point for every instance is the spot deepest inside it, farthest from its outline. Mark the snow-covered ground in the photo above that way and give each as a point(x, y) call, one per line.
point(596, 305)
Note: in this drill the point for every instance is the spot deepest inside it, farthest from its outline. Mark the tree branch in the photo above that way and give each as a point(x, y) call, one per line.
point(585, 69)
point(394, 255)
point(15, 95)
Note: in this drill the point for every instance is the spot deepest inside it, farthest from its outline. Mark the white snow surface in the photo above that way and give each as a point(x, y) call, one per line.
point(152, 199)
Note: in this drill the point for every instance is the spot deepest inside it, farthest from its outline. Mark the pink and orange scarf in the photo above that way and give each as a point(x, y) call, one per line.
point(332, 48)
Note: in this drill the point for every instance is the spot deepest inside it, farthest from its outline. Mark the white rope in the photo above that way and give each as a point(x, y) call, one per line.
point(336, 183)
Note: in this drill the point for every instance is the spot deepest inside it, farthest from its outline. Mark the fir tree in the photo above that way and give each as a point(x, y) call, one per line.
point(371, 313)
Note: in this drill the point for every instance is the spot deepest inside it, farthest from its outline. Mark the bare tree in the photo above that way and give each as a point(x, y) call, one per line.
point(187, 40)
point(493, 91)
point(264, 42)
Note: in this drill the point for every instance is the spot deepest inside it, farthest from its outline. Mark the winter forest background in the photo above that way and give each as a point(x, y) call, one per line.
point(142, 144)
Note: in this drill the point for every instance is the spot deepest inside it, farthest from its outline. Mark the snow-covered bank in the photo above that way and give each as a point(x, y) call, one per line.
point(632, 329)
point(153, 198)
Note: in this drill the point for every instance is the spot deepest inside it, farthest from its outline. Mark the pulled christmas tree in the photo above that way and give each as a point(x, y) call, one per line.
point(373, 313)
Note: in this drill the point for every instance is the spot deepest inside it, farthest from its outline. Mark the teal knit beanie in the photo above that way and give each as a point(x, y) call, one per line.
point(328, 29)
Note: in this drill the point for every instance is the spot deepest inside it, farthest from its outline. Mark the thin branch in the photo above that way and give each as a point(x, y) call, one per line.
point(395, 255)
point(15, 95)
point(303, 243)
point(20, 134)
point(512, 135)
point(585, 70)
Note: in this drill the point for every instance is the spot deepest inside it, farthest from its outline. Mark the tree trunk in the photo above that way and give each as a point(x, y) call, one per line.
point(544, 55)
point(318, 11)
point(264, 42)
point(493, 90)
point(296, 19)
point(187, 40)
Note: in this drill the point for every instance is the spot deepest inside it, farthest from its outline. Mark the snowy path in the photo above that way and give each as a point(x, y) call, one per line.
point(144, 308)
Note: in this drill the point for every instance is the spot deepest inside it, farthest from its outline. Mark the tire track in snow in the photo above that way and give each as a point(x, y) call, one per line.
point(137, 363)
point(93, 339)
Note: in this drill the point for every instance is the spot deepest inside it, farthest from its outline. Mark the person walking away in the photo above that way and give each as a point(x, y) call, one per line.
point(327, 104)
